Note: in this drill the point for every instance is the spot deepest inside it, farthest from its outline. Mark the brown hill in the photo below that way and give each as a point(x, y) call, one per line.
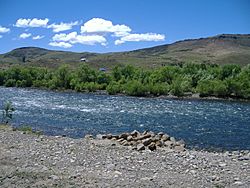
point(220, 49)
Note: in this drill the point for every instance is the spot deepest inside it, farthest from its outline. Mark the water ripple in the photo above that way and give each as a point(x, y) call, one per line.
point(201, 123)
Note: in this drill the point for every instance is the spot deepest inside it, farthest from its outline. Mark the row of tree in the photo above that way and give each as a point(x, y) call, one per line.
point(205, 79)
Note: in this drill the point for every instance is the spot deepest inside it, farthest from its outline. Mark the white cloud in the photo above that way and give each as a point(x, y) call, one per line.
point(62, 26)
point(4, 29)
point(74, 38)
point(32, 22)
point(37, 37)
point(22, 22)
point(25, 35)
point(101, 26)
point(118, 42)
point(61, 44)
point(1, 36)
point(140, 37)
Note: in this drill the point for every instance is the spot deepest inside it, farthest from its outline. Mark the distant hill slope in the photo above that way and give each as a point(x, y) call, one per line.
point(220, 49)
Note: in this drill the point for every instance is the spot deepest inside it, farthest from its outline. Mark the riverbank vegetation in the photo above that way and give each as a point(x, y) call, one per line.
point(179, 80)
point(7, 112)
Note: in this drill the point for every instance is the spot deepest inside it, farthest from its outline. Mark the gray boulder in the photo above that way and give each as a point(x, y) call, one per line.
point(172, 139)
point(135, 133)
point(147, 141)
point(140, 147)
point(129, 138)
point(152, 146)
point(165, 137)
point(88, 136)
point(101, 136)
point(124, 135)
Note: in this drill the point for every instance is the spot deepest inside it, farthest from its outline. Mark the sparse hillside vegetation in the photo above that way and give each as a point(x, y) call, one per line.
point(220, 49)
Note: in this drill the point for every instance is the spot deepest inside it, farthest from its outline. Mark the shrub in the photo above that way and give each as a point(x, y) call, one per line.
point(180, 85)
point(114, 88)
point(135, 88)
point(7, 112)
point(212, 88)
point(158, 88)
point(28, 130)
point(10, 83)
point(91, 86)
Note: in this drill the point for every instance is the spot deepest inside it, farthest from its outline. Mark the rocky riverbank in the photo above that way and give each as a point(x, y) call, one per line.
point(145, 140)
point(29, 160)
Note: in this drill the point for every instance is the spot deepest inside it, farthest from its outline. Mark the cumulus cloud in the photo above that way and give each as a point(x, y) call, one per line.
point(102, 26)
point(62, 26)
point(61, 44)
point(37, 37)
point(32, 22)
point(25, 35)
point(4, 29)
point(140, 37)
point(74, 38)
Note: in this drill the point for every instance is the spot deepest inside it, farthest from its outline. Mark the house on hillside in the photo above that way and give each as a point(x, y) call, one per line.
point(83, 59)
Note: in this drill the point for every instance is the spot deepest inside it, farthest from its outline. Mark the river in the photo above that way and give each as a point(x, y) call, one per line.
point(203, 124)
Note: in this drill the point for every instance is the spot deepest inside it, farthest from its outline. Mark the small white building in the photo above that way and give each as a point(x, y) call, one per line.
point(83, 59)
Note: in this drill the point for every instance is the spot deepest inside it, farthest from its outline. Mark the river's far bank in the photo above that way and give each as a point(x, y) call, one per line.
point(53, 161)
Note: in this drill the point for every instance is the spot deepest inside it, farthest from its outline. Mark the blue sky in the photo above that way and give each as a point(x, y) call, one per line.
point(113, 25)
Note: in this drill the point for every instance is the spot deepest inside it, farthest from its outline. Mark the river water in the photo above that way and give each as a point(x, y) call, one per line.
point(204, 124)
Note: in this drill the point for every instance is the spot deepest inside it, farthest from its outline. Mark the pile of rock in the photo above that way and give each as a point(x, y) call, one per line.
point(145, 140)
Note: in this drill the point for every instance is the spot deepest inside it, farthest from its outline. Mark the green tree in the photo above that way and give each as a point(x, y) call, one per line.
point(7, 112)
point(103, 78)
point(158, 89)
point(135, 88)
point(229, 71)
point(180, 85)
point(128, 71)
point(10, 83)
point(116, 73)
point(2, 76)
point(114, 88)
point(212, 88)
point(85, 74)
point(62, 77)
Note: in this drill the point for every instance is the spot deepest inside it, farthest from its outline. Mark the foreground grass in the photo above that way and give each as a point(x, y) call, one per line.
point(25, 129)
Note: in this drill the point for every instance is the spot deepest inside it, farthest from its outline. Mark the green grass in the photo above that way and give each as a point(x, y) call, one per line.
point(28, 130)
point(5, 127)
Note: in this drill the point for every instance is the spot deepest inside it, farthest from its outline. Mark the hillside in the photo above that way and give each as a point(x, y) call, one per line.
point(220, 49)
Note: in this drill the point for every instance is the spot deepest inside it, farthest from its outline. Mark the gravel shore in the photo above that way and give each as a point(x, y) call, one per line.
point(29, 160)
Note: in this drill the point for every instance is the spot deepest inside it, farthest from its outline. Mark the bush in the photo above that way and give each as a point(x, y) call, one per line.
point(40, 83)
point(10, 83)
point(7, 112)
point(135, 88)
point(114, 88)
point(180, 85)
point(158, 89)
point(208, 80)
point(2, 76)
point(205, 88)
point(91, 86)
point(212, 88)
